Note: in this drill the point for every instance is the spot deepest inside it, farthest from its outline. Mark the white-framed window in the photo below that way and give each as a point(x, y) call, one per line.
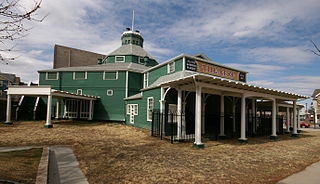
point(145, 80)
point(149, 108)
point(109, 92)
point(171, 67)
point(120, 59)
point(132, 109)
point(79, 91)
point(52, 75)
point(79, 75)
point(110, 75)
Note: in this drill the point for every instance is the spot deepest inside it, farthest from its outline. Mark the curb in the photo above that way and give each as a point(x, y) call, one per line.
point(42, 174)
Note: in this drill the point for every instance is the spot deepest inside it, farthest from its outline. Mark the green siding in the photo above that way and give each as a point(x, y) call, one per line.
point(179, 65)
point(135, 83)
point(107, 107)
point(156, 73)
point(141, 119)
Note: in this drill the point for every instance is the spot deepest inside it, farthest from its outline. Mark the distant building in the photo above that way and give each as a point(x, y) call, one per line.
point(7, 79)
point(316, 104)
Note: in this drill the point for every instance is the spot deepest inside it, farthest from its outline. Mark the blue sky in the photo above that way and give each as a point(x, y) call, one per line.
point(269, 39)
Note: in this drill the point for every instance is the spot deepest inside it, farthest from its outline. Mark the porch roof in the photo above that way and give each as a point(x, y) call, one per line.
point(187, 78)
point(46, 91)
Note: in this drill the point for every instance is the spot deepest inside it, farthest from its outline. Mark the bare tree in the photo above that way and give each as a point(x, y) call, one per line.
point(13, 16)
point(317, 51)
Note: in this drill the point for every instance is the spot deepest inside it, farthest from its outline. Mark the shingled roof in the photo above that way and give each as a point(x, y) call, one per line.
point(134, 67)
point(315, 92)
point(130, 50)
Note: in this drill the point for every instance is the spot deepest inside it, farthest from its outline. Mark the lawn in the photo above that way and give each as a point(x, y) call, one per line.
point(115, 153)
point(20, 166)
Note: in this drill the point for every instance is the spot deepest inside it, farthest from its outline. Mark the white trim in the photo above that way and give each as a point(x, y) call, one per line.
point(124, 59)
point(174, 67)
point(85, 75)
point(52, 79)
point(110, 92)
point(183, 63)
point(129, 106)
point(127, 81)
point(145, 79)
point(104, 75)
point(148, 108)
point(79, 92)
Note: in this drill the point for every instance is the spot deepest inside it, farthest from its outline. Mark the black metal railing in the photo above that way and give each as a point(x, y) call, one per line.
point(180, 127)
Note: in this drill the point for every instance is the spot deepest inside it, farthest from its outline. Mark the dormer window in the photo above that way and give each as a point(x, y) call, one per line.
point(120, 58)
point(171, 67)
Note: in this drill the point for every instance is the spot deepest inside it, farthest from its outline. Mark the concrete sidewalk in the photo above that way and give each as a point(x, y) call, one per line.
point(308, 176)
point(68, 166)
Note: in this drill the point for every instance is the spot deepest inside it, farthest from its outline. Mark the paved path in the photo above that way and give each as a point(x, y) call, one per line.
point(308, 176)
point(68, 166)
point(63, 167)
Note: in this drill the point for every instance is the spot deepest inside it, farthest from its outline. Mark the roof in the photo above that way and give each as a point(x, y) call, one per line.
point(315, 93)
point(133, 67)
point(130, 49)
point(198, 58)
point(188, 77)
point(45, 91)
point(133, 97)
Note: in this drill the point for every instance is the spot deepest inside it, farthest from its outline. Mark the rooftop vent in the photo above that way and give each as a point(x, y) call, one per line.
point(128, 28)
point(137, 31)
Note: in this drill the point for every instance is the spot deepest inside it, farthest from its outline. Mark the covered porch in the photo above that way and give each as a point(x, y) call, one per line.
point(202, 105)
point(73, 102)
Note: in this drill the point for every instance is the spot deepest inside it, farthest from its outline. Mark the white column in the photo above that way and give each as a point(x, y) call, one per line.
point(48, 122)
point(57, 109)
point(222, 116)
point(288, 119)
point(8, 119)
point(198, 142)
point(315, 107)
point(298, 120)
point(179, 113)
point(274, 119)
point(294, 133)
point(243, 138)
point(90, 110)
point(162, 101)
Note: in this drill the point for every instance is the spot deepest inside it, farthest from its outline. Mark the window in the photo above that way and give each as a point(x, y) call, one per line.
point(1, 83)
point(79, 75)
point(79, 91)
point(52, 76)
point(149, 108)
point(120, 58)
point(0, 92)
point(171, 67)
point(110, 92)
point(132, 109)
point(110, 75)
point(145, 80)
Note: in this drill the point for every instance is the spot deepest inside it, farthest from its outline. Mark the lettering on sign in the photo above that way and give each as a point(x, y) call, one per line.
point(191, 65)
point(217, 71)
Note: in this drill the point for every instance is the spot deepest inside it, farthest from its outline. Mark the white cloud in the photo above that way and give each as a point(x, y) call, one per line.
point(286, 55)
point(304, 85)
point(258, 70)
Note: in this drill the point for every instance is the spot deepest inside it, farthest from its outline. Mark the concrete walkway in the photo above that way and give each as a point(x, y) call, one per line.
point(63, 165)
point(68, 166)
point(308, 176)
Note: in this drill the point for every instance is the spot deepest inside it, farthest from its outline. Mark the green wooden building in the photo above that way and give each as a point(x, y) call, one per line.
point(190, 95)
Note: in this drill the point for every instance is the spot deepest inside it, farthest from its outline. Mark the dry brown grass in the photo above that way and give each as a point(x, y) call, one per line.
point(20, 166)
point(114, 153)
